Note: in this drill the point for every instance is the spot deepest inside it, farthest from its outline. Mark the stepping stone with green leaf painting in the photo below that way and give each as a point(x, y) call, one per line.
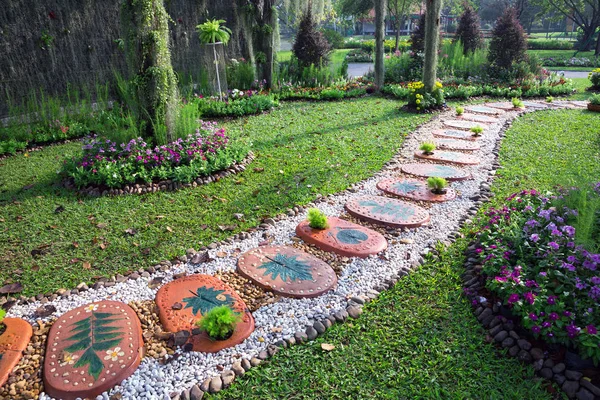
point(413, 189)
point(451, 157)
point(442, 171)
point(91, 349)
point(504, 105)
point(484, 110)
point(537, 106)
point(454, 134)
point(479, 118)
point(387, 211)
point(455, 144)
point(462, 124)
point(182, 303)
point(287, 271)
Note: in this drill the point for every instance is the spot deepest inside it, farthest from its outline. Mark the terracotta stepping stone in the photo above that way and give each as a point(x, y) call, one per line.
point(12, 343)
point(91, 349)
point(503, 105)
point(479, 118)
point(532, 104)
point(451, 157)
point(344, 238)
point(182, 302)
point(484, 110)
point(442, 171)
point(452, 144)
point(461, 124)
point(413, 189)
point(454, 134)
point(287, 271)
point(389, 212)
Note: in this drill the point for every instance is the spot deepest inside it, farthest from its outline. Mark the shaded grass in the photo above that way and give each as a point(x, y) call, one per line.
point(303, 148)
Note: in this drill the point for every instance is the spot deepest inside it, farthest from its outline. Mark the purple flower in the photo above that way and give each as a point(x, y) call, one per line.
point(500, 279)
point(543, 273)
point(591, 329)
point(533, 317)
point(594, 292)
point(567, 313)
point(529, 297)
point(513, 298)
point(553, 316)
point(546, 324)
point(552, 300)
point(556, 232)
point(568, 230)
point(535, 237)
point(535, 329)
point(572, 330)
point(554, 245)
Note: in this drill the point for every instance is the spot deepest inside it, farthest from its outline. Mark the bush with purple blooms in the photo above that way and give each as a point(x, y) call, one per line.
point(105, 163)
point(532, 261)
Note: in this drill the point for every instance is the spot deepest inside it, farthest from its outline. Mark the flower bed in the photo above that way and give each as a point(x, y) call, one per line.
point(569, 62)
point(106, 164)
point(237, 104)
point(533, 264)
point(339, 90)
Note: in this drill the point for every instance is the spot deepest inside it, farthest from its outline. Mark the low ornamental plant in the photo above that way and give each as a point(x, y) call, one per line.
point(422, 100)
point(317, 219)
point(594, 77)
point(2, 325)
point(517, 103)
point(106, 163)
point(477, 130)
point(595, 99)
point(459, 110)
point(533, 264)
point(239, 103)
point(437, 185)
point(219, 323)
point(549, 99)
point(427, 148)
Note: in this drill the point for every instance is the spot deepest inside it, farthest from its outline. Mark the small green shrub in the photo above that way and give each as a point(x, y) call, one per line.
point(517, 103)
point(332, 94)
point(545, 44)
point(2, 315)
point(219, 323)
point(316, 219)
point(549, 99)
point(427, 147)
point(477, 130)
point(459, 110)
point(423, 100)
point(594, 77)
point(595, 99)
point(240, 74)
point(437, 184)
point(334, 38)
point(255, 104)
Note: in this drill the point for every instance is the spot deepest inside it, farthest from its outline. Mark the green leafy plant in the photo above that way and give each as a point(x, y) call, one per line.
point(219, 323)
point(437, 185)
point(427, 147)
point(316, 219)
point(595, 99)
point(212, 31)
point(46, 40)
point(517, 103)
point(594, 77)
point(2, 315)
point(477, 130)
point(549, 99)
point(459, 110)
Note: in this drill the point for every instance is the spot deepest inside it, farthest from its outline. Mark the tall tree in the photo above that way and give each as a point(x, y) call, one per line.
point(432, 38)
point(379, 38)
point(310, 46)
point(154, 84)
point(266, 23)
point(397, 10)
point(508, 44)
point(469, 30)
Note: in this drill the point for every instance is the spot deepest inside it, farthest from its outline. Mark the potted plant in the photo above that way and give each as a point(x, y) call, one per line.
point(427, 148)
point(477, 130)
point(517, 103)
point(594, 104)
point(459, 111)
point(317, 219)
point(437, 185)
point(219, 323)
point(212, 32)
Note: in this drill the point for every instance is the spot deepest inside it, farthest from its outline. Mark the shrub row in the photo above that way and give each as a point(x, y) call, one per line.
point(249, 103)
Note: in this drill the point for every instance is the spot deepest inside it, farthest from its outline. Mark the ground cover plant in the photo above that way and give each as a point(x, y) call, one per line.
point(302, 149)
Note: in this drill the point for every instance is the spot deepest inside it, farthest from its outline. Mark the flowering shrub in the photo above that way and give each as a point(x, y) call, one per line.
point(348, 87)
point(106, 163)
point(532, 262)
point(237, 104)
point(569, 62)
point(421, 99)
point(594, 77)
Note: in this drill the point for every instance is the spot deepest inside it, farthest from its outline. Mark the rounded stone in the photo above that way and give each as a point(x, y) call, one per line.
point(451, 157)
point(199, 294)
point(503, 105)
point(479, 118)
point(456, 144)
point(287, 271)
point(537, 353)
point(388, 212)
point(97, 346)
point(484, 110)
point(454, 134)
point(442, 171)
point(343, 237)
point(461, 124)
point(413, 189)
point(546, 373)
point(13, 342)
point(534, 105)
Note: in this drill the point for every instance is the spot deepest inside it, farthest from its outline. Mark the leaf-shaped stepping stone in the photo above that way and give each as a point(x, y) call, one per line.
point(451, 157)
point(13, 341)
point(484, 110)
point(453, 144)
point(461, 124)
point(454, 134)
point(344, 238)
point(287, 271)
point(199, 294)
point(503, 105)
point(413, 189)
point(91, 349)
point(479, 118)
point(386, 211)
point(442, 171)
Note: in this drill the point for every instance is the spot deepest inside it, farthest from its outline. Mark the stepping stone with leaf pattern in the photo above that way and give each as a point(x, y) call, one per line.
point(91, 349)
point(443, 171)
point(344, 238)
point(388, 212)
point(287, 271)
point(453, 144)
point(537, 106)
point(182, 302)
point(504, 105)
point(451, 157)
point(454, 134)
point(461, 124)
point(479, 118)
point(13, 342)
point(484, 110)
point(413, 189)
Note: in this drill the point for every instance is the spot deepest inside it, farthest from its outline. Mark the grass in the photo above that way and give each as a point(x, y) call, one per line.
point(336, 59)
point(562, 53)
point(51, 238)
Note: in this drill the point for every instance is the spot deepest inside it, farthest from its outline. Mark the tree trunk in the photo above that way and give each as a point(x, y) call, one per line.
point(587, 41)
point(265, 18)
point(379, 38)
point(597, 51)
point(397, 34)
point(432, 37)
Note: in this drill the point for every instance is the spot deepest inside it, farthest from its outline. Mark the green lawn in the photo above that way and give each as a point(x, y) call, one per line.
point(420, 339)
point(304, 149)
point(336, 59)
point(561, 53)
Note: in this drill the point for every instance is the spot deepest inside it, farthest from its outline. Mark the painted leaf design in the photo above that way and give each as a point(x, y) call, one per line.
point(207, 298)
point(287, 267)
point(443, 171)
point(397, 210)
point(405, 187)
point(93, 334)
point(351, 236)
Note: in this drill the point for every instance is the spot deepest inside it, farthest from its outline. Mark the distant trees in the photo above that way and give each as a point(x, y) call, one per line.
point(508, 44)
point(310, 46)
point(469, 30)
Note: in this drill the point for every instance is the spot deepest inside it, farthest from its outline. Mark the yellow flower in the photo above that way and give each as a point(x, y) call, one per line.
point(418, 101)
point(438, 84)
